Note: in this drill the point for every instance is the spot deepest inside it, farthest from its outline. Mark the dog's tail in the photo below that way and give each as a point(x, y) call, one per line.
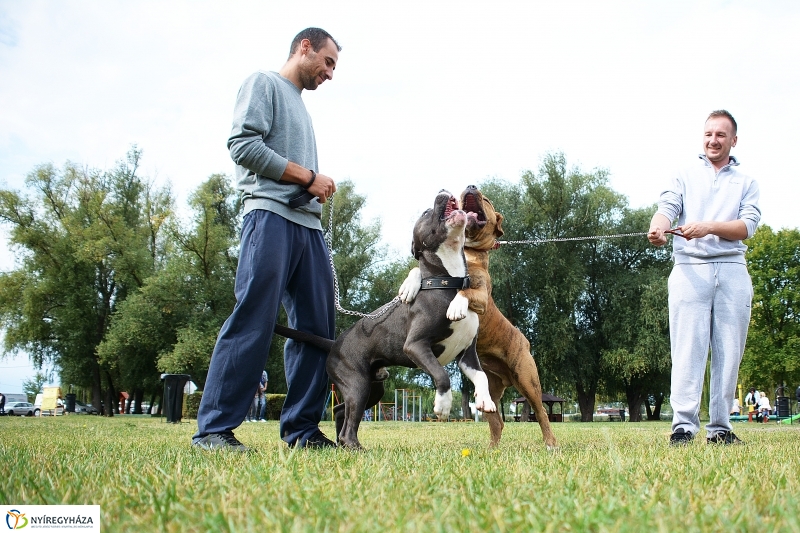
point(301, 336)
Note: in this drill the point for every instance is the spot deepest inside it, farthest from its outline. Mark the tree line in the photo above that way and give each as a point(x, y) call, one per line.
point(114, 287)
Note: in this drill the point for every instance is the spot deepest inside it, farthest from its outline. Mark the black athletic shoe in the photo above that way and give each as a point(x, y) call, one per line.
point(724, 437)
point(317, 440)
point(680, 438)
point(220, 441)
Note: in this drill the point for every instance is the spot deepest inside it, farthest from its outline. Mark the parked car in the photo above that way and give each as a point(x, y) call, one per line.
point(21, 409)
point(85, 409)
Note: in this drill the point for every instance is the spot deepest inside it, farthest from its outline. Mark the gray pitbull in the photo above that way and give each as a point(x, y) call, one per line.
point(436, 328)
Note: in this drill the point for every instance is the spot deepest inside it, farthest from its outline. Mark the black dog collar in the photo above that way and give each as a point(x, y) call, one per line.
point(441, 282)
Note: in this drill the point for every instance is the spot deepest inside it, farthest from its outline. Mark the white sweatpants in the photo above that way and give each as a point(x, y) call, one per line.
point(709, 307)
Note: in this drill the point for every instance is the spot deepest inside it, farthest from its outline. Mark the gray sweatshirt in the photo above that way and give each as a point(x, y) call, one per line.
point(699, 193)
point(270, 128)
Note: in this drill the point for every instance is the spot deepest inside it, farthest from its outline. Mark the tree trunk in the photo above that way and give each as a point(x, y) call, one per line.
point(112, 402)
point(586, 401)
point(635, 400)
point(136, 398)
point(97, 388)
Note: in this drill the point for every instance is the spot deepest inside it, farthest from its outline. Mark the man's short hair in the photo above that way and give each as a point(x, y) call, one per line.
point(715, 114)
point(317, 36)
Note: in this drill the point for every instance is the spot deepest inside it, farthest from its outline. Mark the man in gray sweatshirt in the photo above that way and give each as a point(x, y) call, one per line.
point(710, 292)
point(283, 258)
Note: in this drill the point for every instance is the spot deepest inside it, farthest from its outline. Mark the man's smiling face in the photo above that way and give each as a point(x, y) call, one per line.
point(718, 139)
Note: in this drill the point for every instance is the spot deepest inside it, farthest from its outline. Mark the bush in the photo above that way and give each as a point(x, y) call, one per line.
point(274, 406)
point(191, 404)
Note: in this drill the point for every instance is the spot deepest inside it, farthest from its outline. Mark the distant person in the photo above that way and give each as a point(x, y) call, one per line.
point(710, 291)
point(283, 258)
point(797, 395)
point(252, 412)
point(3, 403)
point(735, 408)
point(764, 408)
point(263, 386)
point(751, 400)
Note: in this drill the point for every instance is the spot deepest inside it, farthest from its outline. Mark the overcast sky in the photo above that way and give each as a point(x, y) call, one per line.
point(426, 95)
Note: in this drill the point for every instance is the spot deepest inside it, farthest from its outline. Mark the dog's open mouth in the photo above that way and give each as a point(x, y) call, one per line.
point(452, 205)
point(474, 209)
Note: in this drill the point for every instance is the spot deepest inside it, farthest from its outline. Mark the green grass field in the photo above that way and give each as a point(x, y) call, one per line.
point(412, 477)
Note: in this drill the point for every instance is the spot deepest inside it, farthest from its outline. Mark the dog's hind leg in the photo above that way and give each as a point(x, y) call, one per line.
point(338, 415)
point(525, 377)
point(355, 403)
point(495, 420)
point(376, 392)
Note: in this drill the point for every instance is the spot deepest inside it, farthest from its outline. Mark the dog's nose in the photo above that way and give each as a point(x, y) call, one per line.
point(471, 188)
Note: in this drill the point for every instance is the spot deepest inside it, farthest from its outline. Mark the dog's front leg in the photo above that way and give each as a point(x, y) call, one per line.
point(470, 365)
point(410, 286)
point(457, 310)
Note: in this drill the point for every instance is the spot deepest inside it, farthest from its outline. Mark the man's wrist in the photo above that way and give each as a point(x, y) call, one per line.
point(311, 181)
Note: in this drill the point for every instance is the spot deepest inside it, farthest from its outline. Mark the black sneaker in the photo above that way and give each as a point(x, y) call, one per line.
point(724, 437)
point(220, 441)
point(680, 438)
point(317, 440)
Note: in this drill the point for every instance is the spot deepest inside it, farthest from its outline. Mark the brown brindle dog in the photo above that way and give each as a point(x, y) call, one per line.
point(503, 350)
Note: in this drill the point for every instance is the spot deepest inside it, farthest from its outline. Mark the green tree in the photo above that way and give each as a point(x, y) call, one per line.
point(554, 283)
point(772, 355)
point(629, 299)
point(35, 385)
point(637, 361)
point(85, 239)
point(171, 323)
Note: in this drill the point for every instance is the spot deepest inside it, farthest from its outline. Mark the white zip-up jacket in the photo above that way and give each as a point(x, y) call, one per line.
point(699, 193)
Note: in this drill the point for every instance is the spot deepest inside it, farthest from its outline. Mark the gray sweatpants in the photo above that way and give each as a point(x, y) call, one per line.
point(709, 306)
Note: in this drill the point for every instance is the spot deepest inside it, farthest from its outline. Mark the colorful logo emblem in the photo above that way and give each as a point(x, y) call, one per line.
point(16, 519)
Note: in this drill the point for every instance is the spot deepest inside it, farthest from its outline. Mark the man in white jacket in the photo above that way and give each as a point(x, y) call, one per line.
point(710, 292)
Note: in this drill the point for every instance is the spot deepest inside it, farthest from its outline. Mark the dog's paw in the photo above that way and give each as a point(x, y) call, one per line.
point(485, 405)
point(410, 287)
point(458, 308)
point(442, 404)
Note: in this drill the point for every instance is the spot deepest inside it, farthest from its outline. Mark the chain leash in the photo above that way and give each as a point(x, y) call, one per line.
point(565, 239)
point(329, 243)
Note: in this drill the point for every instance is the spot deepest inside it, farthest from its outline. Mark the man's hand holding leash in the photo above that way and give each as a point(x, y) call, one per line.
point(318, 185)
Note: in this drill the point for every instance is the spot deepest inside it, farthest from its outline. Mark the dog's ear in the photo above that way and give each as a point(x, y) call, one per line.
point(498, 229)
point(414, 253)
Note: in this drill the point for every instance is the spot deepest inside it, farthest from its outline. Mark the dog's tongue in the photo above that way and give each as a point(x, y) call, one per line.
point(472, 216)
point(457, 216)
point(452, 205)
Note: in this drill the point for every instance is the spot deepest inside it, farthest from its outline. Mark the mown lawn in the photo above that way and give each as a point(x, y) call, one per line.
point(413, 477)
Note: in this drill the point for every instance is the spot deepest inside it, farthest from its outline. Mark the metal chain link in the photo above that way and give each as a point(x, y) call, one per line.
point(564, 239)
point(329, 243)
